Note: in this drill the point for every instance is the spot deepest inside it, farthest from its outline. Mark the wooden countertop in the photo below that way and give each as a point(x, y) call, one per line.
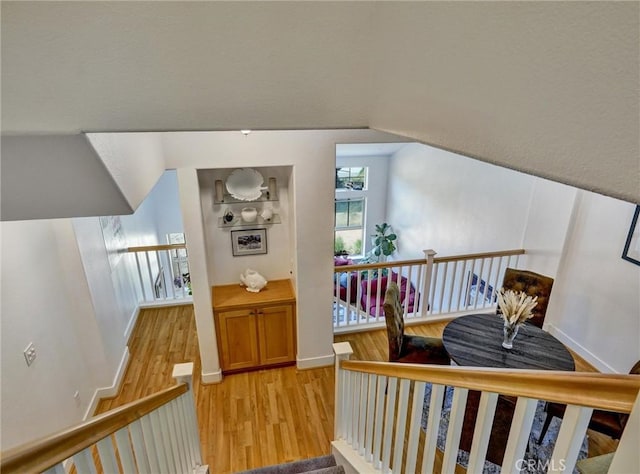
point(225, 297)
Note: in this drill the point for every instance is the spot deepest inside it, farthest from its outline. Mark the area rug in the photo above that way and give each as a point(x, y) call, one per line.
point(534, 458)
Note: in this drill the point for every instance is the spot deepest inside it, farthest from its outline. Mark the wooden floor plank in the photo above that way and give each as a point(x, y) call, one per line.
point(256, 418)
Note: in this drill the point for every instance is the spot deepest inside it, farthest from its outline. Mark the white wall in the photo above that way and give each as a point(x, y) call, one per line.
point(59, 292)
point(311, 154)
point(46, 300)
point(376, 194)
point(223, 267)
point(595, 306)
point(453, 204)
point(549, 215)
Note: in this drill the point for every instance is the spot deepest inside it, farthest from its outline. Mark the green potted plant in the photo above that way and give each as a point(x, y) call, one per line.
point(383, 242)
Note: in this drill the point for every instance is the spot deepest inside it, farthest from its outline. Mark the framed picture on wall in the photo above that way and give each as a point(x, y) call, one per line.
point(248, 242)
point(631, 250)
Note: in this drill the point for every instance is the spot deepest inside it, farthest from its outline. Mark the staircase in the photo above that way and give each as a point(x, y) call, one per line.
point(378, 424)
point(319, 465)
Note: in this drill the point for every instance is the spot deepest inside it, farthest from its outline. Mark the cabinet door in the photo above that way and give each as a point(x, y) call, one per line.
point(276, 334)
point(238, 339)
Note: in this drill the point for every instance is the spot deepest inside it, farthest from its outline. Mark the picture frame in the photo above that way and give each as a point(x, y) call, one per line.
point(631, 251)
point(248, 242)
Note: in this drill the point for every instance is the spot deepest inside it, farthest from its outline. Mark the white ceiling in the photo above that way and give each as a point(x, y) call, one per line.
point(368, 149)
point(549, 88)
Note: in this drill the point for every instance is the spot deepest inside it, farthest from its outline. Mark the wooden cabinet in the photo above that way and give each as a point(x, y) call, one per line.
point(255, 330)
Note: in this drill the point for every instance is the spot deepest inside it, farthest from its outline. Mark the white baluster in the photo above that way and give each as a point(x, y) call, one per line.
point(150, 444)
point(144, 293)
point(172, 276)
point(430, 304)
point(489, 297)
point(185, 427)
point(176, 415)
point(364, 385)
point(354, 408)
point(57, 469)
point(482, 432)
point(350, 376)
point(183, 373)
point(519, 434)
point(377, 434)
point(388, 429)
point(461, 295)
point(456, 418)
point(572, 430)
point(173, 440)
point(124, 451)
point(153, 290)
point(426, 288)
point(414, 427)
point(139, 448)
point(401, 424)
point(433, 424)
point(158, 439)
point(368, 299)
point(107, 455)
point(161, 413)
point(83, 461)
point(482, 293)
point(371, 410)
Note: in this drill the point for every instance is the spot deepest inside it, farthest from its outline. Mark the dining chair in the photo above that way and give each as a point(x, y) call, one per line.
point(607, 422)
point(406, 347)
point(533, 284)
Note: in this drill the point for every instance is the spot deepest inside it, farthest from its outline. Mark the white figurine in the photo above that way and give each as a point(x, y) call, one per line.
point(253, 280)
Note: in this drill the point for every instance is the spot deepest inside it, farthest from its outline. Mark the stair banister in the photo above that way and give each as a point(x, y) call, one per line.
point(149, 435)
point(359, 419)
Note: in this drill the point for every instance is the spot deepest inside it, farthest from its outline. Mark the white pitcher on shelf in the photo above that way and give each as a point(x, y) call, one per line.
point(253, 280)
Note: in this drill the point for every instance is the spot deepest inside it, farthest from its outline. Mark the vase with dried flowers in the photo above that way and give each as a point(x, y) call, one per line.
point(515, 308)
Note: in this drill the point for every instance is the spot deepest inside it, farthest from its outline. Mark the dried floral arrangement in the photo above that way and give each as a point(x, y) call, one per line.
point(515, 306)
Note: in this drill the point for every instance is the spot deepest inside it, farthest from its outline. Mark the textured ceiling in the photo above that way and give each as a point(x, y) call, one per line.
point(549, 88)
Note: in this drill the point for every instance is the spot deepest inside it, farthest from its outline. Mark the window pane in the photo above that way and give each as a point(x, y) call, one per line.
point(355, 213)
point(351, 178)
point(349, 240)
point(342, 213)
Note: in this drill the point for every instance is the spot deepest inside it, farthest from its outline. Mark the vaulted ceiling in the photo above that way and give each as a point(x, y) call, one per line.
point(549, 88)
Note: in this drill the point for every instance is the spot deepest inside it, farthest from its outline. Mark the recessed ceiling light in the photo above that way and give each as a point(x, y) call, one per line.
point(245, 132)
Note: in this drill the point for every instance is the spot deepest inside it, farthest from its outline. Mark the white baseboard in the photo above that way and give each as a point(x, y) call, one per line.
point(160, 303)
point(112, 390)
point(132, 323)
point(313, 362)
point(582, 351)
point(349, 459)
point(211, 377)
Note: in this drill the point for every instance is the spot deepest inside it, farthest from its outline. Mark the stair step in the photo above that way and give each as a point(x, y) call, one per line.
point(317, 465)
point(328, 470)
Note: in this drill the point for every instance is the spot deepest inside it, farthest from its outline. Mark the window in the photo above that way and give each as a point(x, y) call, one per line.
point(349, 226)
point(354, 178)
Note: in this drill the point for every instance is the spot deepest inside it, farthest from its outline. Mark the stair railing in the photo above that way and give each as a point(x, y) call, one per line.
point(163, 272)
point(431, 287)
point(157, 433)
point(378, 429)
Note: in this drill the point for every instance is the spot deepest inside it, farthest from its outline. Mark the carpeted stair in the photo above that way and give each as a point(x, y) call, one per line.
point(321, 465)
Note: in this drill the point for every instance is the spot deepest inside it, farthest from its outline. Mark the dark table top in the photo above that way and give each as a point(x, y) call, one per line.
point(476, 340)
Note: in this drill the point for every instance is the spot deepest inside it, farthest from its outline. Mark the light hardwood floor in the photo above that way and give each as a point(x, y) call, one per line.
point(256, 418)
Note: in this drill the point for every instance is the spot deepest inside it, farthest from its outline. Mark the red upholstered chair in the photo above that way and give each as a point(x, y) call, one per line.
point(607, 422)
point(533, 284)
point(404, 347)
point(406, 291)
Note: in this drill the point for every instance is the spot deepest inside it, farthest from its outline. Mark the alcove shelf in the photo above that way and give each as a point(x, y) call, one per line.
point(266, 196)
point(238, 222)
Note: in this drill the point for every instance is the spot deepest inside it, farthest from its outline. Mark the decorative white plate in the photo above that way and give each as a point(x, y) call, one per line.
point(245, 184)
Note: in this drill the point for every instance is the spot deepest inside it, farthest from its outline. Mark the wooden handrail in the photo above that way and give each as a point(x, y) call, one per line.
point(612, 392)
point(152, 248)
point(40, 455)
point(470, 256)
point(405, 263)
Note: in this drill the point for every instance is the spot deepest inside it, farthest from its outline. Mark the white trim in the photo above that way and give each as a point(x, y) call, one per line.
point(211, 377)
point(583, 352)
point(349, 459)
point(313, 362)
point(160, 303)
point(132, 323)
point(111, 391)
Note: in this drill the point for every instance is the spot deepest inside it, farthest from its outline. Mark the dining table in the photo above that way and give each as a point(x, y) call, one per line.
point(475, 340)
